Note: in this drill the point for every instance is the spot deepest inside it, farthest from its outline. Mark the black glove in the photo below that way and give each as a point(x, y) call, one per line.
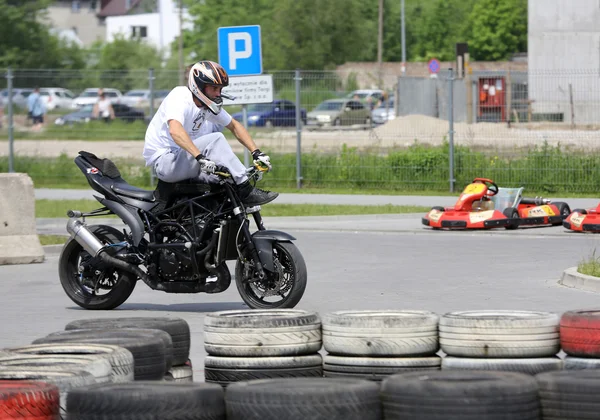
point(206, 165)
point(261, 160)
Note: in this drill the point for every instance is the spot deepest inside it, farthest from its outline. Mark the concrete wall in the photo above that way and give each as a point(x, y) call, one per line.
point(431, 97)
point(86, 25)
point(162, 28)
point(564, 58)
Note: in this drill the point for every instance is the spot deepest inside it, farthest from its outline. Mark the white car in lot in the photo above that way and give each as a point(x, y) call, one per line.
point(136, 98)
point(54, 98)
point(90, 96)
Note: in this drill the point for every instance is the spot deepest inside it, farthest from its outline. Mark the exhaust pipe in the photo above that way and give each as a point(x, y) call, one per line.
point(84, 237)
point(94, 247)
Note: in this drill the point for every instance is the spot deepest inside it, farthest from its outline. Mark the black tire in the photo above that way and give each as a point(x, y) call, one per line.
point(457, 395)
point(438, 208)
point(68, 271)
point(125, 333)
point(177, 328)
point(227, 370)
point(563, 210)
point(288, 258)
point(303, 399)
point(513, 214)
point(580, 211)
point(569, 394)
point(376, 368)
point(148, 352)
point(147, 400)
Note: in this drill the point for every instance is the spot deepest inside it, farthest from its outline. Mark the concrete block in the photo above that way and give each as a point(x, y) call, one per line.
point(19, 242)
point(573, 279)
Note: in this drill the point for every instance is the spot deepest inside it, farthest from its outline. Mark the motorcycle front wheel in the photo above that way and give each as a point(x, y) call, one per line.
point(281, 288)
point(97, 286)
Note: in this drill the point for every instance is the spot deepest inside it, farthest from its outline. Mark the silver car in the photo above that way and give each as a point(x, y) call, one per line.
point(384, 112)
point(339, 112)
point(19, 97)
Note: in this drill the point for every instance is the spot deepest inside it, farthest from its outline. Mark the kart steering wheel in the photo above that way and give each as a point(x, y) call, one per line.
point(492, 187)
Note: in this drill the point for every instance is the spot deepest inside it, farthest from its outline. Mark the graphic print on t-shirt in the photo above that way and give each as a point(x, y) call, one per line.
point(198, 122)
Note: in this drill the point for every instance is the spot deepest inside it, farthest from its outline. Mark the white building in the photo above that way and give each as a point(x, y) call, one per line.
point(159, 28)
point(76, 20)
point(564, 58)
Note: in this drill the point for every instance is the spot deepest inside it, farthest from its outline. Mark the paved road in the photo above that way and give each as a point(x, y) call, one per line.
point(291, 198)
point(363, 266)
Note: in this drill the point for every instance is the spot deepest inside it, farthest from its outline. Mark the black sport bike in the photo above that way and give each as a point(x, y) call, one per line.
point(179, 239)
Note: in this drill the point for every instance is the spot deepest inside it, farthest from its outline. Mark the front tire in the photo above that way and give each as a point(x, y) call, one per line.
point(83, 287)
point(287, 282)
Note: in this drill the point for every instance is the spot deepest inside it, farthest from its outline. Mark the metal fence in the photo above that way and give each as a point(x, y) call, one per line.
point(539, 130)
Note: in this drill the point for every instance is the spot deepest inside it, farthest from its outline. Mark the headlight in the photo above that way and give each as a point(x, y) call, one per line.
point(254, 118)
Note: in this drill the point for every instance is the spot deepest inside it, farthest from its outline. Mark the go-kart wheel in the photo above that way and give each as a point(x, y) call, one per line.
point(580, 211)
point(563, 210)
point(513, 214)
point(438, 208)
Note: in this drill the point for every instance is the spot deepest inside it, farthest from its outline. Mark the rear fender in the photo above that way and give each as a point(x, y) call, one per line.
point(263, 241)
point(128, 215)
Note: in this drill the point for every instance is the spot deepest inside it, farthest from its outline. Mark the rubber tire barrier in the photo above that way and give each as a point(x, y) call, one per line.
point(569, 394)
point(148, 352)
point(580, 333)
point(177, 328)
point(147, 401)
point(29, 400)
point(578, 363)
point(460, 395)
point(100, 368)
point(257, 333)
point(499, 334)
point(120, 358)
point(530, 366)
point(303, 399)
point(227, 370)
point(181, 373)
point(126, 332)
point(376, 368)
point(381, 333)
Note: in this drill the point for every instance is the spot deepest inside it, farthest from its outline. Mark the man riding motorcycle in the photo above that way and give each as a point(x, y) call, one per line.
point(175, 143)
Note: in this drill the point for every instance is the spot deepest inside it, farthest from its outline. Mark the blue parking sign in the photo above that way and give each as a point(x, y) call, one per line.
point(240, 50)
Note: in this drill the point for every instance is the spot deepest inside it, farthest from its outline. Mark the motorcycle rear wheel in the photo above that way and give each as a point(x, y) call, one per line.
point(79, 288)
point(288, 281)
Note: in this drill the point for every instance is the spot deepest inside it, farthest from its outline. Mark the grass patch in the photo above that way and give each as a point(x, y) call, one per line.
point(591, 266)
point(52, 239)
point(58, 208)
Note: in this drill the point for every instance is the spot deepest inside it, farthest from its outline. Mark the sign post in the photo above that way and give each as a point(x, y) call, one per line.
point(240, 54)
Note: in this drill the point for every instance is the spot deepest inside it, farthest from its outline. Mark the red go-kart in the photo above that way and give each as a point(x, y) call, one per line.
point(483, 205)
point(584, 220)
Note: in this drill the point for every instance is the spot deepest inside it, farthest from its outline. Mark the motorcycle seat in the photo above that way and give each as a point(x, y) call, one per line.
point(123, 188)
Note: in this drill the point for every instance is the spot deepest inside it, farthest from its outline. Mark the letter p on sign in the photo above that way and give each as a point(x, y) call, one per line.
point(240, 50)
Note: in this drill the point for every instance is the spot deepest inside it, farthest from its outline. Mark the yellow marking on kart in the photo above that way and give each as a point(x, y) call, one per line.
point(540, 211)
point(435, 215)
point(474, 188)
point(577, 219)
point(480, 216)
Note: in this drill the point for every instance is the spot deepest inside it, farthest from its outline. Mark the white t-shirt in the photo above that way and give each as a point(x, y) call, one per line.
point(104, 108)
point(178, 105)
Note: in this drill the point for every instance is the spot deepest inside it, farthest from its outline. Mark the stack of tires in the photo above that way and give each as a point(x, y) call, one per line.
point(258, 344)
point(580, 339)
point(518, 341)
point(376, 344)
point(28, 400)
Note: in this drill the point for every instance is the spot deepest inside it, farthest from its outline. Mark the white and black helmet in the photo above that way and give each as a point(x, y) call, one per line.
point(207, 73)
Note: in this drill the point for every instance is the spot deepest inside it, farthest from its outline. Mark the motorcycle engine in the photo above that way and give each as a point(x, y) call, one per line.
point(169, 264)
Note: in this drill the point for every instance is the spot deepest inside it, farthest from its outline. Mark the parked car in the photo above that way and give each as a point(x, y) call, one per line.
point(278, 113)
point(339, 112)
point(384, 113)
point(19, 97)
point(84, 115)
point(368, 97)
point(137, 97)
point(55, 98)
point(90, 96)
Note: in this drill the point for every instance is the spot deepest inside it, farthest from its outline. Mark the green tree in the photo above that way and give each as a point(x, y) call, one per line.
point(497, 29)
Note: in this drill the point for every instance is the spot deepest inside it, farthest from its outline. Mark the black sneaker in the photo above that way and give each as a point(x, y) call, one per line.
point(252, 196)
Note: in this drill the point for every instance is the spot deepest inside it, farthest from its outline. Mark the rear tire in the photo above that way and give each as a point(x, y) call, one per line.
point(71, 279)
point(513, 214)
point(564, 210)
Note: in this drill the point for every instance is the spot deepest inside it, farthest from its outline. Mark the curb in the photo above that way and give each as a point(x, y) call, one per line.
point(573, 279)
point(52, 249)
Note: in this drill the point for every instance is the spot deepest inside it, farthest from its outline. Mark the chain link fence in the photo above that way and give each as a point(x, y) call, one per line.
point(538, 130)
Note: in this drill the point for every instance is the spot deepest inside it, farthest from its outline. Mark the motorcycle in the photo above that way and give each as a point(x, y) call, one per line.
point(180, 237)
